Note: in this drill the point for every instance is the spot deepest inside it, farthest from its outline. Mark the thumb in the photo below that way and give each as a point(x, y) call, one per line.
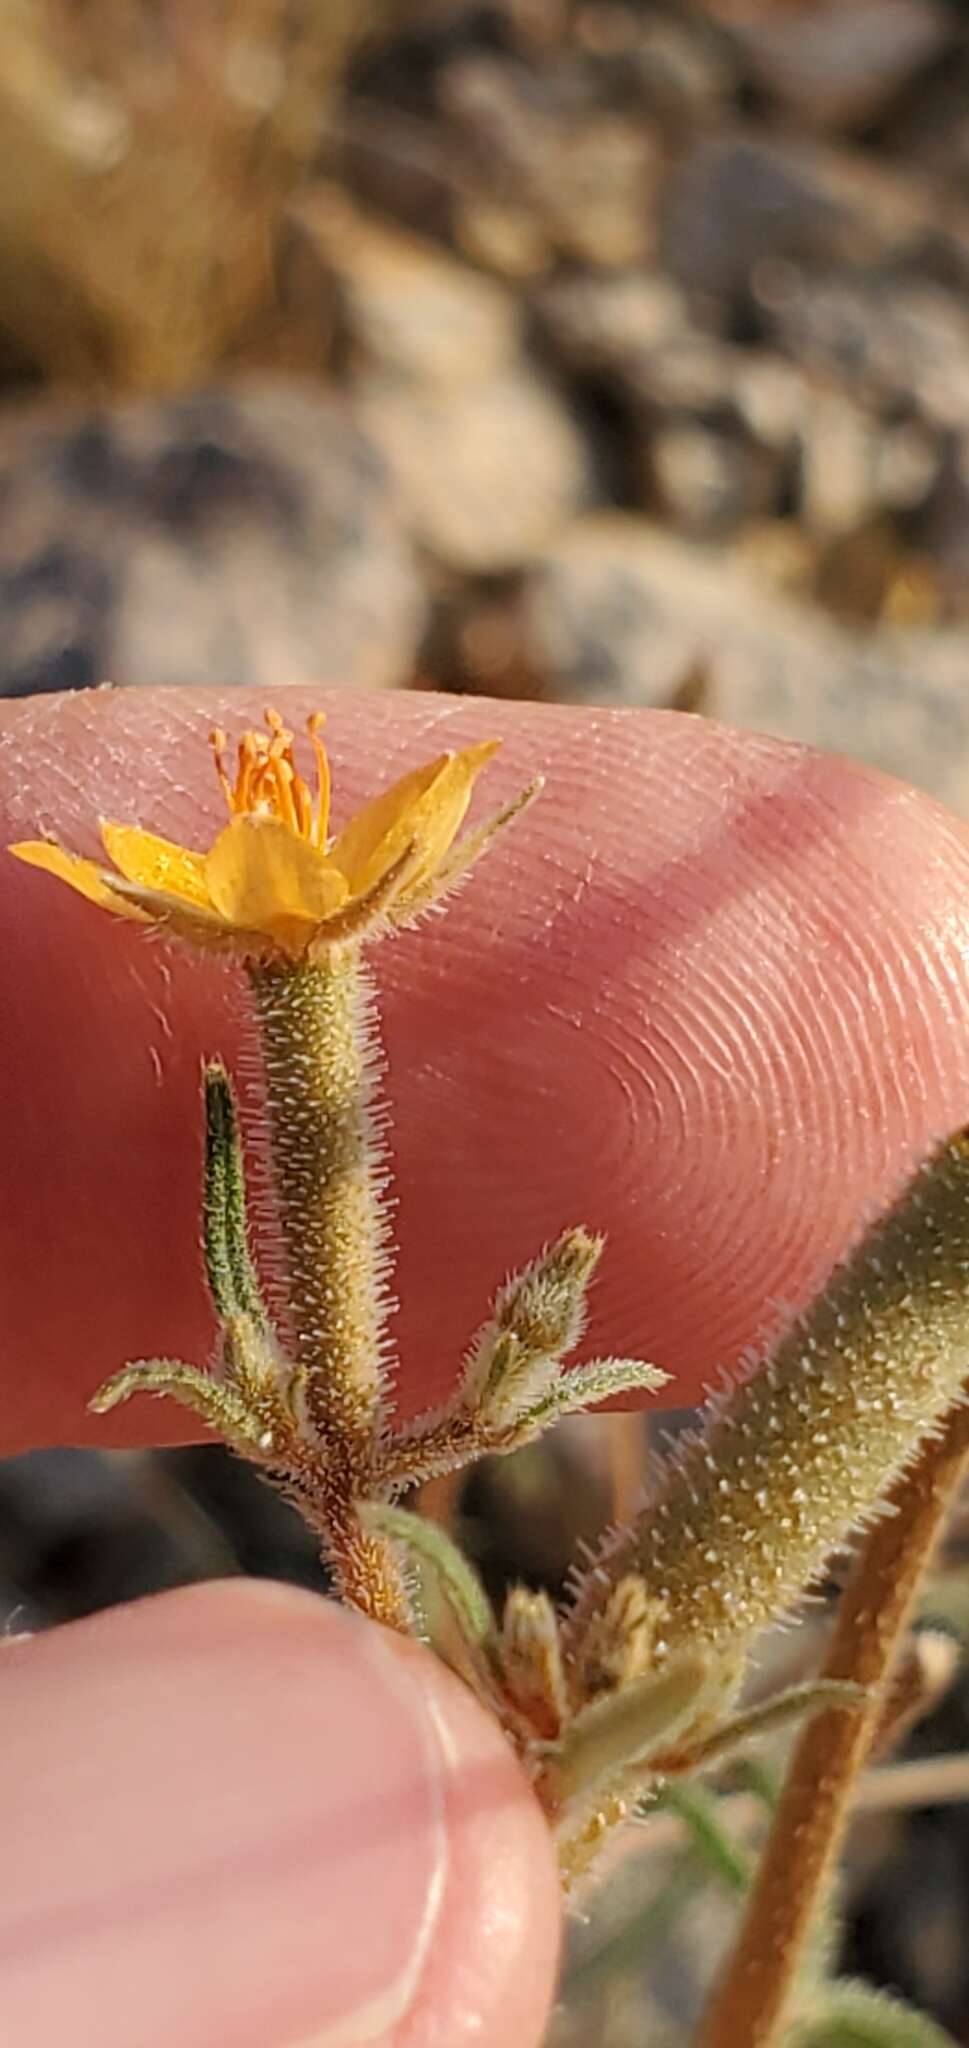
point(237, 1814)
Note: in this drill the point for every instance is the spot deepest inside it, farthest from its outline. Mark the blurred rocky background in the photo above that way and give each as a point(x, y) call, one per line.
point(600, 351)
point(608, 351)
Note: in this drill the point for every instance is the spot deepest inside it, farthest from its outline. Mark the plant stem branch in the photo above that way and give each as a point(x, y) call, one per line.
point(318, 1036)
point(318, 1039)
point(751, 2002)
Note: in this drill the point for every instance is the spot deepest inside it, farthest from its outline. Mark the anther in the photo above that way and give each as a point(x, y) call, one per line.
point(314, 726)
point(218, 741)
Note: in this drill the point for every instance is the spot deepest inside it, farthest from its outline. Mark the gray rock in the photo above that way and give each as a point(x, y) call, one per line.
point(679, 70)
point(405, 306)
point(838, 462)
point(487, 471)
point(897, 700)
point(595, 625)
point(738, 201)
point(771, 397)
point(244, 535)
point(579, 628)
point(539, 150)
point(576, 628)
point(840, 64)
point(710, 428)
point(708, 480)
point(744, 207)
point(620, 613)
point(610, 324)
point(933, 135)
point(903, 341)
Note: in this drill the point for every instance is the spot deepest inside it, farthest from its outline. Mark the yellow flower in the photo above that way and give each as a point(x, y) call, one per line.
point(273, 881)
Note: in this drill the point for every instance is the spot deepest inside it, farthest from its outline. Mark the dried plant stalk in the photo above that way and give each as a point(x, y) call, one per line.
point(146, 154)
point(752, 2002)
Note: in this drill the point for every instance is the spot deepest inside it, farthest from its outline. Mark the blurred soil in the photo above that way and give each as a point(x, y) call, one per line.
point(531, 348)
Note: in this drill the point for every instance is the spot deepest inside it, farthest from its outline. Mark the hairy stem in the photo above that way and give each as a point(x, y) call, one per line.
point(802, 1450)
point(751, 2003)
point(318, 1036)
point(364, 1563)
point(317, 1033)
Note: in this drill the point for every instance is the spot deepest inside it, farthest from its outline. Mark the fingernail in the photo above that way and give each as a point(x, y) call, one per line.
point(223, 1821)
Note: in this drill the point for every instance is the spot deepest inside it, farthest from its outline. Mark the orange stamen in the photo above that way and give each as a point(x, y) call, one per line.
point(250, 763)
point(282, 776)
point(268, 779)
point(303, 808)
point(218, 741)
point(314, 725)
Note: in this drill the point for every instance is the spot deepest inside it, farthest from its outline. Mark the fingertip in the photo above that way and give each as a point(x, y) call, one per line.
point(500, 1931)
point(237, 1813)
point(710, 996)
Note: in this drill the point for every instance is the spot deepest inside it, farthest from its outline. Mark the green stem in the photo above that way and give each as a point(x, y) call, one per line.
point(317, 1033)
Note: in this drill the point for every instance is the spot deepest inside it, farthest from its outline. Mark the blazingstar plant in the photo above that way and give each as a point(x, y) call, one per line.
point(637, 1680)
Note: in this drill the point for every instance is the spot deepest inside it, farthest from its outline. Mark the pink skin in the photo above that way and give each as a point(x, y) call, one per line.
point(711, 996)
point(237, 1815)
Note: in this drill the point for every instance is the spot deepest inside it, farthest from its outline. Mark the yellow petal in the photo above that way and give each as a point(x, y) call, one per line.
point(263, 876)
point(156, 864)
point(425, 807)
point(355, 851)
point(361, 913)
point(83, 875)
point(437, 819)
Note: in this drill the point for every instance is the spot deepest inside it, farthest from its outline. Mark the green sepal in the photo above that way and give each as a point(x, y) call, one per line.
point(531, 1659)
point(457, 864)
point(585, 1386)
point(618, 1736)
point(537, 1318)
point(229, 1268)
point(850, 2015)
point(798, 1703)
point(217, 1405)
point(452, 1608)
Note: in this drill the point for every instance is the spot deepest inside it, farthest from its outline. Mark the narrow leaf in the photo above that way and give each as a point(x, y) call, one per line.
point(228, 1263)
point(603, 1379)
point(454, 1609)
point(427, 1545)
point(721, 1856)
point(617, 1736)
point(796, 1704)
point(856, 2016)
point(216, 1404)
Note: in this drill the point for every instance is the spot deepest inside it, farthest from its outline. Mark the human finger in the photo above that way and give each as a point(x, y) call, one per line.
point(237, 1814)
point(709, 995)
